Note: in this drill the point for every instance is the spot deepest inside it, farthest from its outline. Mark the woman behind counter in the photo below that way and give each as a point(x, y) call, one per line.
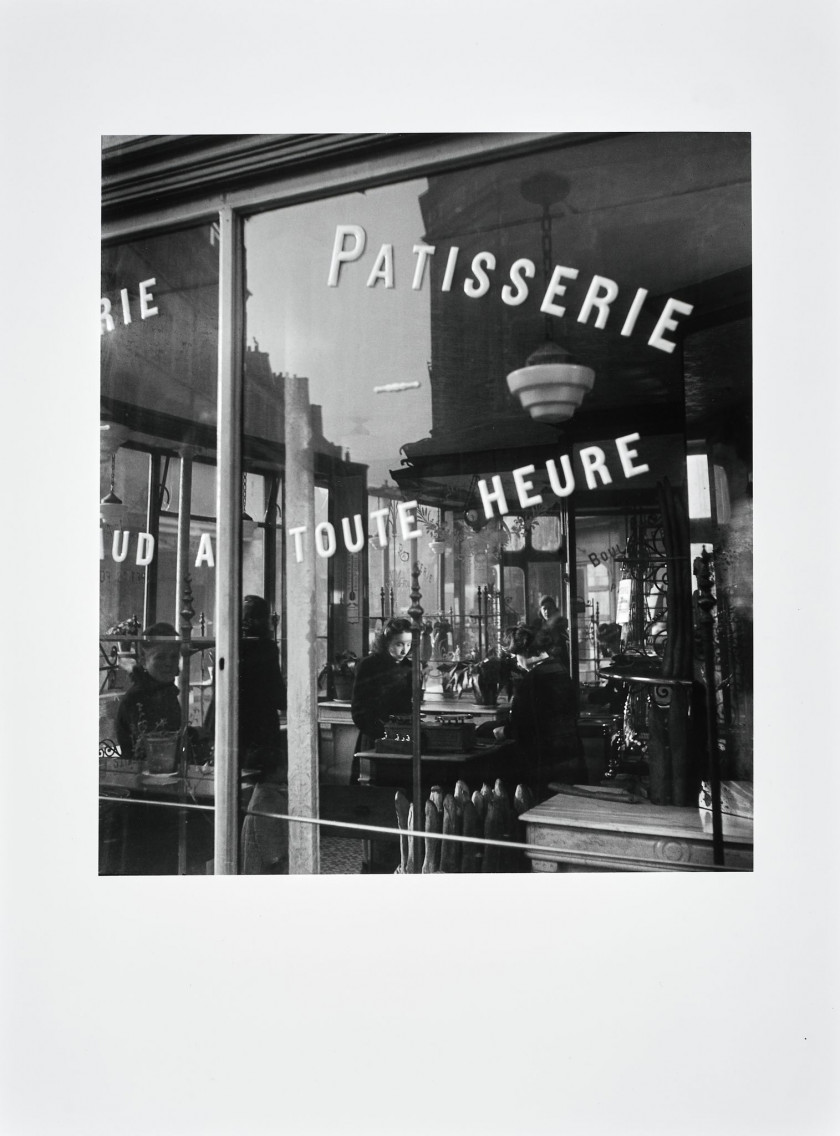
point(382, 685)
point(543, 716)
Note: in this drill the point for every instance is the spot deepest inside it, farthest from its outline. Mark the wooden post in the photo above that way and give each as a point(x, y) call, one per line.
point(228, 545)
point(416, 614)
point(302, 699)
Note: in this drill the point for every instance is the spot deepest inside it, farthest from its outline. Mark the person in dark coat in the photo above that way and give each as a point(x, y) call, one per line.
point(264, 843)
point(556, 627)
point(261, 692)
point(151, 703)
point(542, 722)
point(382, 685)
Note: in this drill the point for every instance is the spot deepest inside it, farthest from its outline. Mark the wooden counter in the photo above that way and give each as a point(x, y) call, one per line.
point(337, 735)
point(580, 833)
point(444, 769)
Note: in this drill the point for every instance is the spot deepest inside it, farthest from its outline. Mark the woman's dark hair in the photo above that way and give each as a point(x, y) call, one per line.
point(609, 638)
point(396, 625)
point(529, 642)
point(158, 631)
point(150, 636)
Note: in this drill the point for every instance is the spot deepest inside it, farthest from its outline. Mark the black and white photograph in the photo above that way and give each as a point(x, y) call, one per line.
point(458, 424)
point(426, 522)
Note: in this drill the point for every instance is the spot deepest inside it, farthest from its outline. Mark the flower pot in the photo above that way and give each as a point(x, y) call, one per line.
point(342, 687)
point(162, 751)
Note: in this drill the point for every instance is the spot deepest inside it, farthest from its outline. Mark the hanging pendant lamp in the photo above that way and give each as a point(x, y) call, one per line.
point(551, 385)
point(111, 508)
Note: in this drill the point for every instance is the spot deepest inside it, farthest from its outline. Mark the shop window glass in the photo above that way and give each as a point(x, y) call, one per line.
point(545, 534)
point(158, 381)
point(516, 540)
point(122, 579)
point(514, 595)
point(598, 541)
point(401, 307)
point(158, 321)
point(544, 579)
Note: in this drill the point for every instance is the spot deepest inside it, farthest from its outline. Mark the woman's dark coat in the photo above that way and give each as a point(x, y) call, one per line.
point(382, 688)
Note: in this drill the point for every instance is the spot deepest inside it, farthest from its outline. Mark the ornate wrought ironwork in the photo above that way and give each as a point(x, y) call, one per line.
point(645, 563)
point(111, 668)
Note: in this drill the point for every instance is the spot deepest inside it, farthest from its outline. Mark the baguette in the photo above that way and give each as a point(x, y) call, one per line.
point(493, 822)
point(450, 852)
point(472, 826)
point(431, 862)
point(403, 807)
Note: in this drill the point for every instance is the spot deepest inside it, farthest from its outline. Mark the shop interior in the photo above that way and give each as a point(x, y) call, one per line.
point(617, 552)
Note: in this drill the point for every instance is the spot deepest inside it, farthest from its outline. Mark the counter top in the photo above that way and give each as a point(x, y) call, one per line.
point(444, 706)
point(128, 778)
point(613, 835)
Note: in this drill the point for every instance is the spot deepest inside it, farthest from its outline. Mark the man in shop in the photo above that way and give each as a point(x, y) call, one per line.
point(151, 704)
point(556, 626)
point(264, 845)
point(261, 688)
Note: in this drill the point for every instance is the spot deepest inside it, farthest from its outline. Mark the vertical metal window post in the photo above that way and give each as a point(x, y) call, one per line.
point(228, 541)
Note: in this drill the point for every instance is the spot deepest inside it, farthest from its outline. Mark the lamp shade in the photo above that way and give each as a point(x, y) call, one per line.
point(551, 386)
point(112, 510)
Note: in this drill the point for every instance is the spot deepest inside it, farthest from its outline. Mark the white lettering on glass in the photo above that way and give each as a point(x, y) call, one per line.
point(342, 255)
point(146, 298)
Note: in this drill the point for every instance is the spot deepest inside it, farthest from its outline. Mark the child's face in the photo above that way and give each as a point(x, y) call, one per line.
point(161, 661)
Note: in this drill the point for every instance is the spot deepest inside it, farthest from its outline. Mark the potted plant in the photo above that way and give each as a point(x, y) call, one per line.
point(454, 676)
point(127, 627)
point(437, 531)
point(338, 677)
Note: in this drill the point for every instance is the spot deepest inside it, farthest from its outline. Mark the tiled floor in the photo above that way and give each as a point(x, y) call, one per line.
point(340, 857)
